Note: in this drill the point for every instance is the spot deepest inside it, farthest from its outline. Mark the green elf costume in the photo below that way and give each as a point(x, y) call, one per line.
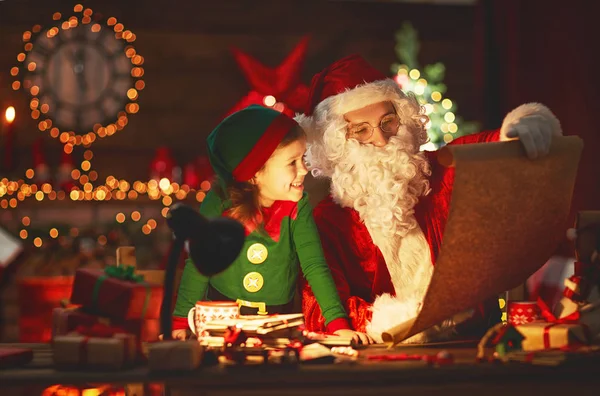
point(264, 276)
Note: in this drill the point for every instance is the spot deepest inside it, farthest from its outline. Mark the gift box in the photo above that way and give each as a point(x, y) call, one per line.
point(116, 292)
point(581, 327)
point(103, 349)
point(66, 320)
point(175, 355)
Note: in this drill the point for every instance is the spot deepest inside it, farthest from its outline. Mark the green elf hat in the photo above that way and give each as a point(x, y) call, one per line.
point(241, 144)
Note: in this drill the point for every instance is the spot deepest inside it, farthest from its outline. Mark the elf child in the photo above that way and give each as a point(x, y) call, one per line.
point(258, 157)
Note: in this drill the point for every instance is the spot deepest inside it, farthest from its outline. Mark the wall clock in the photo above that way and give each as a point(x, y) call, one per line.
point(83, 76)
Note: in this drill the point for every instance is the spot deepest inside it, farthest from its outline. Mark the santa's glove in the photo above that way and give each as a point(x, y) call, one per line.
point(534, 125)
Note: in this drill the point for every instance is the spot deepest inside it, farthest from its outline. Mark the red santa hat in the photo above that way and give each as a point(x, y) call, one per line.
point(349, 84)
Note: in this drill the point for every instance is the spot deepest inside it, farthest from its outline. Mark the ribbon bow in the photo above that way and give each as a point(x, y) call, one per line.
point(126, 273)
point(572, 318)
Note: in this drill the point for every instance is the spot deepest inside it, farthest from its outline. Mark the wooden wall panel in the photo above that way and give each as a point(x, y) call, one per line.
point(192, 79)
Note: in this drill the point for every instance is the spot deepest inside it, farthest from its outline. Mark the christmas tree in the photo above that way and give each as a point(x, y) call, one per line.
point(428, 86)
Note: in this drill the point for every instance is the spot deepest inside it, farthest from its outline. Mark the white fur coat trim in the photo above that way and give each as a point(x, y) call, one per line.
point(529, 109)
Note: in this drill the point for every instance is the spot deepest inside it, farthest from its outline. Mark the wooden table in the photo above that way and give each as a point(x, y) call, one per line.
point(348, 379)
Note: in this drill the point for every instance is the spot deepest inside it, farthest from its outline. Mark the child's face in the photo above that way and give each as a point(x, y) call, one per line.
point(282, 177)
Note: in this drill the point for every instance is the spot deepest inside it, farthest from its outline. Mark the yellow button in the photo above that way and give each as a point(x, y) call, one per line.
point(257, 253)
point(253, 282)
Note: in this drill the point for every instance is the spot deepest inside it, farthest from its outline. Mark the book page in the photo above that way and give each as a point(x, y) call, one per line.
point(507, 216)
point(10, 247)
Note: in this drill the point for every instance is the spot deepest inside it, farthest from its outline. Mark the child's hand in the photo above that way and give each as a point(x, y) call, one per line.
point(180, 334)
point(358, 337)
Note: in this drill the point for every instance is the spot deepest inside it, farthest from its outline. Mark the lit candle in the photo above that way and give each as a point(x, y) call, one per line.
point(9, 118)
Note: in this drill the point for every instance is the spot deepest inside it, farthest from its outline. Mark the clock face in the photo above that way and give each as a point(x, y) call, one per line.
point(80, 75)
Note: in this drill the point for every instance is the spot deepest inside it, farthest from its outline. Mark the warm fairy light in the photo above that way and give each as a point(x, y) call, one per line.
point(269, 100)
point(120, 218)
point(447, 104)
point(88, 155)
point(205, 185)
point(46, 188)
point(23, 234)
point(39, 196)
point(452, 127)
point(132, 194)
point(132, 94)
point(414, 74)
point(14, 71)
point(96, 28)
point(444, 127)
point(164, 212)
point(37, 242)
point(86, 165)
point(124, 186)
point(26, 221)
point(74, 195)
point(56, 16)
point(152, 223)
point(200, 195)
point(54, 233)
point(12, 203)
point(146, 229)
point(164, 184)
point(75, 174)
point(449, 117)
point(448, 138)
point(136, 216)
point(111, 21)
point(4, 204)
point(167, 201)
point(10, 114)
point(78, 8)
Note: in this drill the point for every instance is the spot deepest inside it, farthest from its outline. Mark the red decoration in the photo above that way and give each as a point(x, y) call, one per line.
point(64, 180)
point(40, 165)
point(197, 171)
point(163, 165)
point(278, 87)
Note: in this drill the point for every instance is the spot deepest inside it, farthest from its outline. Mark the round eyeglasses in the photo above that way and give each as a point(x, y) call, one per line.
point(362, 132)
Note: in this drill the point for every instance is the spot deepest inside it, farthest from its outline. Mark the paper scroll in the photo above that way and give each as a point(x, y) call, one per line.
point(508, 214)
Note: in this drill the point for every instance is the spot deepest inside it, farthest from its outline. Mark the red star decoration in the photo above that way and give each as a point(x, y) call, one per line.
point(278, 87)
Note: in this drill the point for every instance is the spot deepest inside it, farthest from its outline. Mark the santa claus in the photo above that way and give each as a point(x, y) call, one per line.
point(382, 224)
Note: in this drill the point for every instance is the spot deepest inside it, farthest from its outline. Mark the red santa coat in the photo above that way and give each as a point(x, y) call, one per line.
point(358, 266)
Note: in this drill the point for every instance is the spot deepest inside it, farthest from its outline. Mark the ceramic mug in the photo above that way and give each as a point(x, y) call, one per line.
point(206, 311)
point(521, 312)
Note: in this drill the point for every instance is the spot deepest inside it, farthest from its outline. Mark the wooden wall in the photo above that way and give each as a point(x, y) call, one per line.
point(192, 79)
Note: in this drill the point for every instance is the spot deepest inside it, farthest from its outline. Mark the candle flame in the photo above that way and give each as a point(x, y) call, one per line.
point(9, 115)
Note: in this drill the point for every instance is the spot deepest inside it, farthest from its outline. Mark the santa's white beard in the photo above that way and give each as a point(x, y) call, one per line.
point(383, 184)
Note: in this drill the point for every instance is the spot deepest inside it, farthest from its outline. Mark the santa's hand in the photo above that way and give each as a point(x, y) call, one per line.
point(534, 132)
point(357, 337)
point(534, 125)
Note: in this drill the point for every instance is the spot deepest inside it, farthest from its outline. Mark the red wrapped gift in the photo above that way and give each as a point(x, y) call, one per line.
point(116, 292)
point(66, 320)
